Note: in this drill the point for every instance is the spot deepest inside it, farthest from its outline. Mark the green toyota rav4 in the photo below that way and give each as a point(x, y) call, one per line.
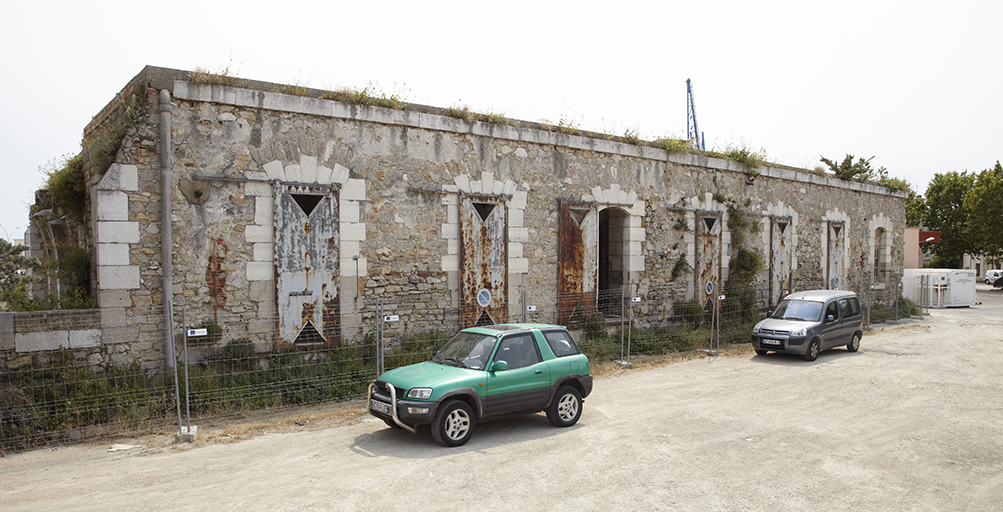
point(486, 372)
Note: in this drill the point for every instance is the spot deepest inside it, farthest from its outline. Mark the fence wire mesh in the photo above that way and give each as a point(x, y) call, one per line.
point(97, 387)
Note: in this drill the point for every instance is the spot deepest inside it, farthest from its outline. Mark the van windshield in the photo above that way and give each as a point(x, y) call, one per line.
point(803, 310)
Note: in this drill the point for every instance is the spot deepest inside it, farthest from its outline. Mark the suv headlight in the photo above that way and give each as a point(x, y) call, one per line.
point(420, 393)
point(799, 332)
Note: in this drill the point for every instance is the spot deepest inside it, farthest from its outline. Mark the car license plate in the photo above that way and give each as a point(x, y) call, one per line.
point(379, 406)
point(765, 341)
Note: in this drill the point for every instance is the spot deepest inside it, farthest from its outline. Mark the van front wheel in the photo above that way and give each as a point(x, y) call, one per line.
point(813, 349)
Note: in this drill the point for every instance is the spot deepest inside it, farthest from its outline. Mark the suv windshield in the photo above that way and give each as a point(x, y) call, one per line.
point(803, 310)
point(466, 350)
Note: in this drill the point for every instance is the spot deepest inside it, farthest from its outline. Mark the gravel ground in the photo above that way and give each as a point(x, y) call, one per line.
point(911, 422)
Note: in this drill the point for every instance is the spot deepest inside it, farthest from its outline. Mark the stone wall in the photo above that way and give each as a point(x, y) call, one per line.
point(401, 178)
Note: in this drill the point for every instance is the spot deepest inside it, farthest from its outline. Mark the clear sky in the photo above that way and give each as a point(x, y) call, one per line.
point(918, 85)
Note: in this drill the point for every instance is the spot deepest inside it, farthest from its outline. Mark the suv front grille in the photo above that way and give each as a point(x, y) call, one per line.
point(381, 388)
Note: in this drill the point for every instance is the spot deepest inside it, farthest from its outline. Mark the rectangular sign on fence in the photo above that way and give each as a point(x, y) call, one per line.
point(198, 332)
point(391, 318)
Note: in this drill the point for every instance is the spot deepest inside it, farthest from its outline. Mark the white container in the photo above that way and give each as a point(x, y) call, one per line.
point(939, 287)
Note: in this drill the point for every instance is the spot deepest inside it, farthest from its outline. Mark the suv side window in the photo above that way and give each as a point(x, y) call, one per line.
point(519, 351)
point(561, 343)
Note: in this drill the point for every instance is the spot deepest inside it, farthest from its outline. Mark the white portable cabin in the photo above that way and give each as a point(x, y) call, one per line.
point(939, 287)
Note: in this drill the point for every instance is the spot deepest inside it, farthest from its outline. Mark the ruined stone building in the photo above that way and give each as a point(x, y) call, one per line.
point(296, 219)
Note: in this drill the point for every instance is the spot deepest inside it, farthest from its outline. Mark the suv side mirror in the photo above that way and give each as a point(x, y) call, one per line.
point(830, 318)
point(498, 366)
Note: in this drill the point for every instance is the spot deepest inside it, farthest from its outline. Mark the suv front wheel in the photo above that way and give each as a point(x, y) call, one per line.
point(566, 407)
point(454, 423)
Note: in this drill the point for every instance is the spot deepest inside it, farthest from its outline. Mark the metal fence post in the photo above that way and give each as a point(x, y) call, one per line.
point(630, 318)
point(870, 284)
point(896, 300)
point(524, 305)
point(174, 366)
point(188, 406)
point(379, 337)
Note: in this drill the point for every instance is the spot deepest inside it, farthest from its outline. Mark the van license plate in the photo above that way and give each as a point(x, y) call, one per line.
point(770, 342)
point(379, 406)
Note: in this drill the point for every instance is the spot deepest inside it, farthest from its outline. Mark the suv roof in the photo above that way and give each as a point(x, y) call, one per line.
point(499, 328)
point(820, 295)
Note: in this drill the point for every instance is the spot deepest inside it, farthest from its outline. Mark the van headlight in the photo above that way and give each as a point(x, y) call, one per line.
point(800, 332)
point(420, 393)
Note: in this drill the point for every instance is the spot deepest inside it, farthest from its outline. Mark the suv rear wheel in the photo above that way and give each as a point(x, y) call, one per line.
point(566, 407)
point(454, 423)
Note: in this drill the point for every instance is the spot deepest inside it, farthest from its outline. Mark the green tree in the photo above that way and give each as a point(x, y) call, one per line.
point(13, 268)
point(65, 183)
point(946, 212)
point(984, 203)
point(915, 209)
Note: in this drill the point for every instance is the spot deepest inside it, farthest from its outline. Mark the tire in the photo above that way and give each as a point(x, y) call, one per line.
point(453, 424)
point(854, 343)
point(762, 352)
point(813, 349)
point(565, 408)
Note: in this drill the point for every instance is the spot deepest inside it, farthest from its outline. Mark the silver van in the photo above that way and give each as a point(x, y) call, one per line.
point(806, 323)
point(992, 275)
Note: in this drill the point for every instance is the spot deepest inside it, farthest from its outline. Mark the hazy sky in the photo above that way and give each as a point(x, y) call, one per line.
point(918, 84)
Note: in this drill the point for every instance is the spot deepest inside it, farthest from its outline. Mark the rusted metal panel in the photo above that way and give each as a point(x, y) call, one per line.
point(578, 250)
point(835, 253)
point(484, 260)
point(307, 244)
point(708, 267)
point(781, 248)
point(216, 274)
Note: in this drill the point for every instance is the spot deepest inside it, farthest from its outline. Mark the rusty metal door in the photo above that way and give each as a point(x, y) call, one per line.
point(578, 257)
point(835, 253)
point(484, 261)
point(781, 248)
point(306, 263)
point(708, 267)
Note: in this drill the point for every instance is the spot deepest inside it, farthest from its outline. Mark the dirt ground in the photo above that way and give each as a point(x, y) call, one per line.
point(913, 421)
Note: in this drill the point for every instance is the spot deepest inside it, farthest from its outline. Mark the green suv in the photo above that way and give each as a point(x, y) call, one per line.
point(483, 373)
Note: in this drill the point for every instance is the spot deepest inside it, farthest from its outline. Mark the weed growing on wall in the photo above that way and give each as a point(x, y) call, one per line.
point(675, 145)
point(366, 97)
point(631, 136)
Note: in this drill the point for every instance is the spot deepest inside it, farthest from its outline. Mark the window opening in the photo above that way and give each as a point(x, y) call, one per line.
point(710, 222)
point(307, 202)
point(484, 210)
point(782, 226)
point(309, 334)
point(579, 215)
point(484, 319)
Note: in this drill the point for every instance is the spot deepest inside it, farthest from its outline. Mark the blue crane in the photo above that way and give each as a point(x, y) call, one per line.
point(692, 133)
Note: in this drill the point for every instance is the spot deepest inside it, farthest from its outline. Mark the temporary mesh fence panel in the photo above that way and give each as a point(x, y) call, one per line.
point(102, 376)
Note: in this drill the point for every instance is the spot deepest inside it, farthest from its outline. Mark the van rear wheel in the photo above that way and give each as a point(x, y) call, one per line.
point(854, 343)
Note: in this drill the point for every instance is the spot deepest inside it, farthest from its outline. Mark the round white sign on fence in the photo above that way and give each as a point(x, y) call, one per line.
point(709, 287)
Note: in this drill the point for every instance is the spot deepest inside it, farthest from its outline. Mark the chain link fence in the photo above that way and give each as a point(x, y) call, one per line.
point(88, 389)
